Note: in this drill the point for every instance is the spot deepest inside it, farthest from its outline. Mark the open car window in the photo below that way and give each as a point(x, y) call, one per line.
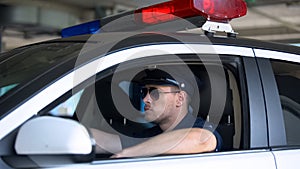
point(112, 102)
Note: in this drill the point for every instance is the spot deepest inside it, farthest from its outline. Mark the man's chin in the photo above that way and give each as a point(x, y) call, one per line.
point(149, 118)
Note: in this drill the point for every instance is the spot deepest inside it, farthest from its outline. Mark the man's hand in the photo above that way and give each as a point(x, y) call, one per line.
point(106, 142)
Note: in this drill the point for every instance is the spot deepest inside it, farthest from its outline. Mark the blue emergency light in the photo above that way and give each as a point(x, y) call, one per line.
point(82, 29)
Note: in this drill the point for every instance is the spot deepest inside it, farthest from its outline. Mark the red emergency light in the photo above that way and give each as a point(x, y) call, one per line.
point(213, 10)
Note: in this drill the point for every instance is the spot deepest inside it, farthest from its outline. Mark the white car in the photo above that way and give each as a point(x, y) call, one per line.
point(53, 92)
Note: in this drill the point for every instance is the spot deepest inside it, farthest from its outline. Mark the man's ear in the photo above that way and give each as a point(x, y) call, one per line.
point(180, 98)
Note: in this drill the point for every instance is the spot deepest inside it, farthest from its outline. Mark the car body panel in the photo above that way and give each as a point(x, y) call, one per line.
point(287, 159)
point(243, 159)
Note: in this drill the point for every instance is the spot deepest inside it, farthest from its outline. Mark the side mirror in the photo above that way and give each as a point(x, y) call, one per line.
point(48, 140)
point(53, 135)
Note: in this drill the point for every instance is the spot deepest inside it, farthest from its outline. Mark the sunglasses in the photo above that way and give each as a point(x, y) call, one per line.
point(154, 92)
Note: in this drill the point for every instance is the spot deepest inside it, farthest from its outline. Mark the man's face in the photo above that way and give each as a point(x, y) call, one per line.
point(159, 102)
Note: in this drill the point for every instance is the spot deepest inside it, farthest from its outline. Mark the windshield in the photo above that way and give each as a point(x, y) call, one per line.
point(22, 65)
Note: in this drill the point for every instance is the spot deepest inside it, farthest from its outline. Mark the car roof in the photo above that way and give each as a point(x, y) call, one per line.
point(144, 38)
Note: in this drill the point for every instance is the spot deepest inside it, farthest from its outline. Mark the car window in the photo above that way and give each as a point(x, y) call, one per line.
point(112, 103)
point(30, 62)
point(67, 108)
point(5, 89)
point(287, 76)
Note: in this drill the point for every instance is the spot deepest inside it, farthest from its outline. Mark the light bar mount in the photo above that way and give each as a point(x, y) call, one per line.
point(211, 27)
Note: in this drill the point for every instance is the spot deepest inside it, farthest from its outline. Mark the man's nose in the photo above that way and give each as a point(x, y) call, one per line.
point(147, 98)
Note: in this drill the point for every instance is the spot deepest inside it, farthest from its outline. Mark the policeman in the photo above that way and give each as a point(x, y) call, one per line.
point(167, 100)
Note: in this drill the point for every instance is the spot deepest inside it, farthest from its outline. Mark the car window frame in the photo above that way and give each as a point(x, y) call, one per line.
point(257, 115)
point(275, 120)
point(226, 58)
point(251, 140)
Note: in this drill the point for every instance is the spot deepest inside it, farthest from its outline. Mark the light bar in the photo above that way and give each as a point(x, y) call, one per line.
point(85, 28)
point(218, 11)
point(214, 10)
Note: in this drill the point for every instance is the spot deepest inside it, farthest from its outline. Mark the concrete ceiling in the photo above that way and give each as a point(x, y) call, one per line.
point(275, 20)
